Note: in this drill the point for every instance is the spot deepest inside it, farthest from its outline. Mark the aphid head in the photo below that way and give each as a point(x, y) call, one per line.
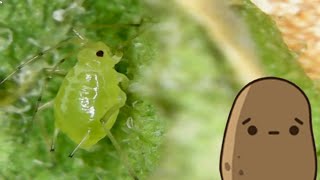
point(96, 52)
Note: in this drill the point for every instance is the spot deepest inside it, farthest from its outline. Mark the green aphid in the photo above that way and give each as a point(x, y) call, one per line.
point(89, 97)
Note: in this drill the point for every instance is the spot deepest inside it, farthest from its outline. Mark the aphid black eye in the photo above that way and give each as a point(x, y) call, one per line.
point(294, 130)
point(100, 53)
point(252, 130)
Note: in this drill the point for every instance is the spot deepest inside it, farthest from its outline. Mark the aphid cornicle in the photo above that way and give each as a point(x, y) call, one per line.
point(89, 98)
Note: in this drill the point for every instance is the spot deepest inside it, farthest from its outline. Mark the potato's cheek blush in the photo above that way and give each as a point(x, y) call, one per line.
point(241, 173)
point(227, 166)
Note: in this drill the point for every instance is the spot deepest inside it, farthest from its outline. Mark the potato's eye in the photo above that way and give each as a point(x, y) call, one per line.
point(100, 53)
point(294, 130)
point(252, 130)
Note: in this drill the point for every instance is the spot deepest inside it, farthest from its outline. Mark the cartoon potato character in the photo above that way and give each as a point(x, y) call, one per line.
point(269, 134)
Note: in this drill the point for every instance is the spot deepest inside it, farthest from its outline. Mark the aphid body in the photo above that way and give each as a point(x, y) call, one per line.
point(88, 101)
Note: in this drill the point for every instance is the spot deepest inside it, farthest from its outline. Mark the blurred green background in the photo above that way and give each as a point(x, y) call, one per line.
point(184, 71)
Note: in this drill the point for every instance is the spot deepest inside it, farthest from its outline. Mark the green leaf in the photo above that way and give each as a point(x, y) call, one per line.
point(183, 80)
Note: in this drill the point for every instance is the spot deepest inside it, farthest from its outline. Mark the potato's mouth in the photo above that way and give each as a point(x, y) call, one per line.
point(273, 132)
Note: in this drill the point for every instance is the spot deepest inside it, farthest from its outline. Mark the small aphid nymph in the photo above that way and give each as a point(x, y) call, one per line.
point(89, 98)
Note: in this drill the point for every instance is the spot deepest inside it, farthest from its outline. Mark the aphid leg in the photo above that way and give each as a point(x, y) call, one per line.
point(45, 106)
point(43, 87)
point(57, 72)
point(54, 138)
point(41, 108)
point(81, 142)
point(123, 155)
point(39, 100)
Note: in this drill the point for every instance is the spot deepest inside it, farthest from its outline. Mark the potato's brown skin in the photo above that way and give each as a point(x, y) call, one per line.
point(269, 134)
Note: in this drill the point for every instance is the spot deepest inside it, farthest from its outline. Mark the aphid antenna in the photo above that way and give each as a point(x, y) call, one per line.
point(96, 26)
point(140, 24)
point(119, 25)
point(127, 42)
point(36, 57)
